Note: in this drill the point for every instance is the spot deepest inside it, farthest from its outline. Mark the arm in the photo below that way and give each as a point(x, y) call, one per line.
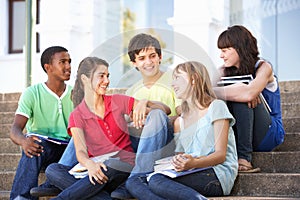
point(142, 107)
point(176, 125)
point(28, 144)
point(240, 92)
point(158, 105)
point(94, 169)
point(186, 161)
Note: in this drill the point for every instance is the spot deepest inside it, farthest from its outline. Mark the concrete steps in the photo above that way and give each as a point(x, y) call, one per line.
point(279, 178)
point(267, 184)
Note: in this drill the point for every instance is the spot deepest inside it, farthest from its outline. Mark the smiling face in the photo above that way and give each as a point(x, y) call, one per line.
point(181, 84)
point(147, 61)
point(100, 80)
point(230, 57)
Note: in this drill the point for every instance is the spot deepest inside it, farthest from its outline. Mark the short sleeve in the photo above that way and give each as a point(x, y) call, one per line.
point(26, 103)
point(220, 111)
point(126, 103)
point(72, 122)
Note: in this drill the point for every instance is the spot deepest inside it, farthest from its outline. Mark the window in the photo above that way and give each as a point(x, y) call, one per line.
point(17, 25)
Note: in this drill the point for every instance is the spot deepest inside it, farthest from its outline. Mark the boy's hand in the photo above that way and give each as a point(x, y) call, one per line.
point(31, 146)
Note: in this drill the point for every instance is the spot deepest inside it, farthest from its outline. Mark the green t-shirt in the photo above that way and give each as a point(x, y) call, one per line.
point(161, 91)
point(47, 113)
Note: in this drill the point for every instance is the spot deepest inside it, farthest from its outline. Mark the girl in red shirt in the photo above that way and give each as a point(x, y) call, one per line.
point(98, 127)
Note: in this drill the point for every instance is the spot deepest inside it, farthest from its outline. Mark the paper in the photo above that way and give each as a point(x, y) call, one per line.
point(50, 139)
point(165, 167)
point(79, 171)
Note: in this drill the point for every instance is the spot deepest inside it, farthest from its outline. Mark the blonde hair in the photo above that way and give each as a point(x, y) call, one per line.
point(200, 84)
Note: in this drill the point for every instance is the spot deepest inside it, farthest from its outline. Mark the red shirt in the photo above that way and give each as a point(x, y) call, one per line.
point(108, 134)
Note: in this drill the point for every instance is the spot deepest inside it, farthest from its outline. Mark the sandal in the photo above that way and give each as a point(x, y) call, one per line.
point(247, 169)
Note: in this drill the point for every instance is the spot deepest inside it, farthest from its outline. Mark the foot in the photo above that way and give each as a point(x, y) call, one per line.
point(44, 190)
point(246, 167)
point(121, 193)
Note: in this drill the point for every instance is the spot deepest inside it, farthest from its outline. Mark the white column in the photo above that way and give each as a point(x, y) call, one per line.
point(199, 20)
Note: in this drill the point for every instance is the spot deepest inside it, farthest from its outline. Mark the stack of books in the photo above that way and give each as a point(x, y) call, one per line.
point(228, 80)
point(165, 167)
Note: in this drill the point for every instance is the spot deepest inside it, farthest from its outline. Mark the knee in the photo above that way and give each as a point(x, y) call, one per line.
point(51, 170)
point(157, 113)
point(155, 181)
point(157, 119)
point(132, 182)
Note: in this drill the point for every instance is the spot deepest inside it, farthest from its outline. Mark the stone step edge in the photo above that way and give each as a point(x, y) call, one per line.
point(240, 174)
point(251, 198)
point(255, 152)
point(5, 194)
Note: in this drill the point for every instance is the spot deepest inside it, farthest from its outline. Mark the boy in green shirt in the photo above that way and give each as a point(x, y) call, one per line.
point(44, 109)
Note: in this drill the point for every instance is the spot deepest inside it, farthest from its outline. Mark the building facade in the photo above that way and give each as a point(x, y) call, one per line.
point(187, 29)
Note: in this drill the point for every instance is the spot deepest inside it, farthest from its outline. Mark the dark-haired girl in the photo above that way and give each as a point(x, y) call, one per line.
point(256, 128)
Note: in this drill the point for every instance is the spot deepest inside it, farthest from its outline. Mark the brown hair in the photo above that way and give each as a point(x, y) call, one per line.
point(141, 42)
point(87, 67)
point(241, 39)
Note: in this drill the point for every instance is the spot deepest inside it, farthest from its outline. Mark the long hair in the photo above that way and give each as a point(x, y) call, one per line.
point(201, 88)
point(87, 67)
point(245, 44)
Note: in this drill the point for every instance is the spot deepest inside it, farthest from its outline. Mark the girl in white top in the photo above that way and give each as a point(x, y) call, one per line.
point(204, 138)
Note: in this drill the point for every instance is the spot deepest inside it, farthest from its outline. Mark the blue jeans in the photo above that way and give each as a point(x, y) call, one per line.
point(29, 169)
point(192, 186)
point(252, 124)
point(69, 156)
point(155, 142)
point(73, 188)
point(138, 187)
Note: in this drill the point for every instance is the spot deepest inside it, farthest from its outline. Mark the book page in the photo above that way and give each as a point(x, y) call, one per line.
point(80, 171)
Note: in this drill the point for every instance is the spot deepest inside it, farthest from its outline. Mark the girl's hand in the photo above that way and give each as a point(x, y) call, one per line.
point(139, 114)
point(183, 162)
point(254, 102)
point(95, 172)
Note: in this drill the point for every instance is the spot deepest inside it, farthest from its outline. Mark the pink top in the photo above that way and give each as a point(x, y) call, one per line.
point(108, 134)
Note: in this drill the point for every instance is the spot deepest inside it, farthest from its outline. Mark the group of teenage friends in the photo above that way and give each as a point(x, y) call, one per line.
point(179, 113)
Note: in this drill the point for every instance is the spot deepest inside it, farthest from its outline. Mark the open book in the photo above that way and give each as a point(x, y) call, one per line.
point(79, 171)
point(50, 139)
point(228, 80)
point(165, 167)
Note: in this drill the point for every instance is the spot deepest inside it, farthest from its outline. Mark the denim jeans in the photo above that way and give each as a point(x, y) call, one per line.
point(73, 188)
point(252, 124)
point(138, 187)
point(155, 142)
point(69, 156)
point(191, 186)
point(29, 168)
